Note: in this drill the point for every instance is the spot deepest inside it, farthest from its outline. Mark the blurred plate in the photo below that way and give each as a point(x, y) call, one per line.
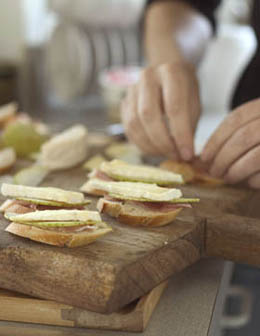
point(102, 12)
point(101, 51)
point(131, 46)
point(69, 61)
point(116, 47)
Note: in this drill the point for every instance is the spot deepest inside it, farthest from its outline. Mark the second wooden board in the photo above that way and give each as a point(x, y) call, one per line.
point(134, 317)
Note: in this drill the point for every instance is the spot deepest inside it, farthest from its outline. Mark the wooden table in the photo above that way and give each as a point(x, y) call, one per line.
point(191, 305)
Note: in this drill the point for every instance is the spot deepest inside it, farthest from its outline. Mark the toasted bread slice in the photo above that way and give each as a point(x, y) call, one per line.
point(66, 149)
point(130, 213)
point(184, 169)
point(193, 172)
point(7, 112)
point(57, 238)
point(7, 159)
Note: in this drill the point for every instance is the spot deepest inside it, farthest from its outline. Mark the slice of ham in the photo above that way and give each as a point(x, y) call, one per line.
point(154, 206)
point(19, 207)
point(162, 206)
point(100, 175)
point(16, 207)
point(7, 203)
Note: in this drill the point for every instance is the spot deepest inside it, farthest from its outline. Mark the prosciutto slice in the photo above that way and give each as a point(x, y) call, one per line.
point(162, 206)
point(100, 175)
point(17, 207)
point(20, 207)
point(154, 206)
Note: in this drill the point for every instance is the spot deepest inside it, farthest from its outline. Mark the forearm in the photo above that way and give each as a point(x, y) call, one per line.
point(175, 32)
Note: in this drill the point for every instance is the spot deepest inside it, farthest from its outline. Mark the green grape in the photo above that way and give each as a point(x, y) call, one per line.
point(23, 138)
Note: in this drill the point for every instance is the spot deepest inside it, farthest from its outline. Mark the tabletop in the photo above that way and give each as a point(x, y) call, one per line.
point(191, 305)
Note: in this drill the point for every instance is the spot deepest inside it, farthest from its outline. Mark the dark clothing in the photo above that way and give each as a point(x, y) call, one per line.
point(248, 87)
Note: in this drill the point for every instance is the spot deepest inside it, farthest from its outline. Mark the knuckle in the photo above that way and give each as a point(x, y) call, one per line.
point(166, 68)
point(145, 113)
point(131, 123)
point(249, 134)
point(235, 119)
point(254, 181)
point(146, 74)
point(233, 175)
point(170, 69)
point(255, 156)
point(244, 139)
point(175, 111)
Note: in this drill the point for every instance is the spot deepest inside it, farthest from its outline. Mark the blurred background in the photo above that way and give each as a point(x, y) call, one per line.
point(54, 52)
point(68, 61)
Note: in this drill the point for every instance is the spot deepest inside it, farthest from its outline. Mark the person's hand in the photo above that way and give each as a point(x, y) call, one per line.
point(160, 113)
point(233, 151)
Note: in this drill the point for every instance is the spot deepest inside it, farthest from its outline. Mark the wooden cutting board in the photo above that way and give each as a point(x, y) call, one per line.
point(128, 263)
point(133, 317)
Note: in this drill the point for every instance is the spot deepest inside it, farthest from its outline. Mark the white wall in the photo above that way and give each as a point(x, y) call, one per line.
point(11, 30)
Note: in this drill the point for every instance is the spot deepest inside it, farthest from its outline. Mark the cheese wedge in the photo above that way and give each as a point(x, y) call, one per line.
point(7, 158)
point(7, 112)
point(42, 193)
point(79, 216)
point(122, 171)
point(133, 189)
point(46, 225)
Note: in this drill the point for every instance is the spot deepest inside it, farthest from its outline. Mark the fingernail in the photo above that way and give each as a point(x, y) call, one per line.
point(186, 154)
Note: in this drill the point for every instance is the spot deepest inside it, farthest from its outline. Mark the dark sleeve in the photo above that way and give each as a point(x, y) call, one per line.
point(206, 7)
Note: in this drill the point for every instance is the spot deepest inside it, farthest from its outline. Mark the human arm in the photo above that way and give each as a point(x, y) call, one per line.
point(161, 112)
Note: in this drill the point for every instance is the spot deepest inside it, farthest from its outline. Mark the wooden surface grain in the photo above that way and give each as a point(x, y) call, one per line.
point(129, 262)
point(187, 307)
point(133, 317)
point(105, 275)
point(234, 238)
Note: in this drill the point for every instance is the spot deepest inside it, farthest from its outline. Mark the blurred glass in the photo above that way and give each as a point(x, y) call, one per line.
point(114, 83)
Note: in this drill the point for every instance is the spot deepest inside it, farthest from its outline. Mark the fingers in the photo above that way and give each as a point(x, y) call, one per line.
point(244, 167)
point(254, 181)
point(151, 115)
point(232, 123)
point(237, 145)
point(176, 93)
point(132, 124)
point(160, 114)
